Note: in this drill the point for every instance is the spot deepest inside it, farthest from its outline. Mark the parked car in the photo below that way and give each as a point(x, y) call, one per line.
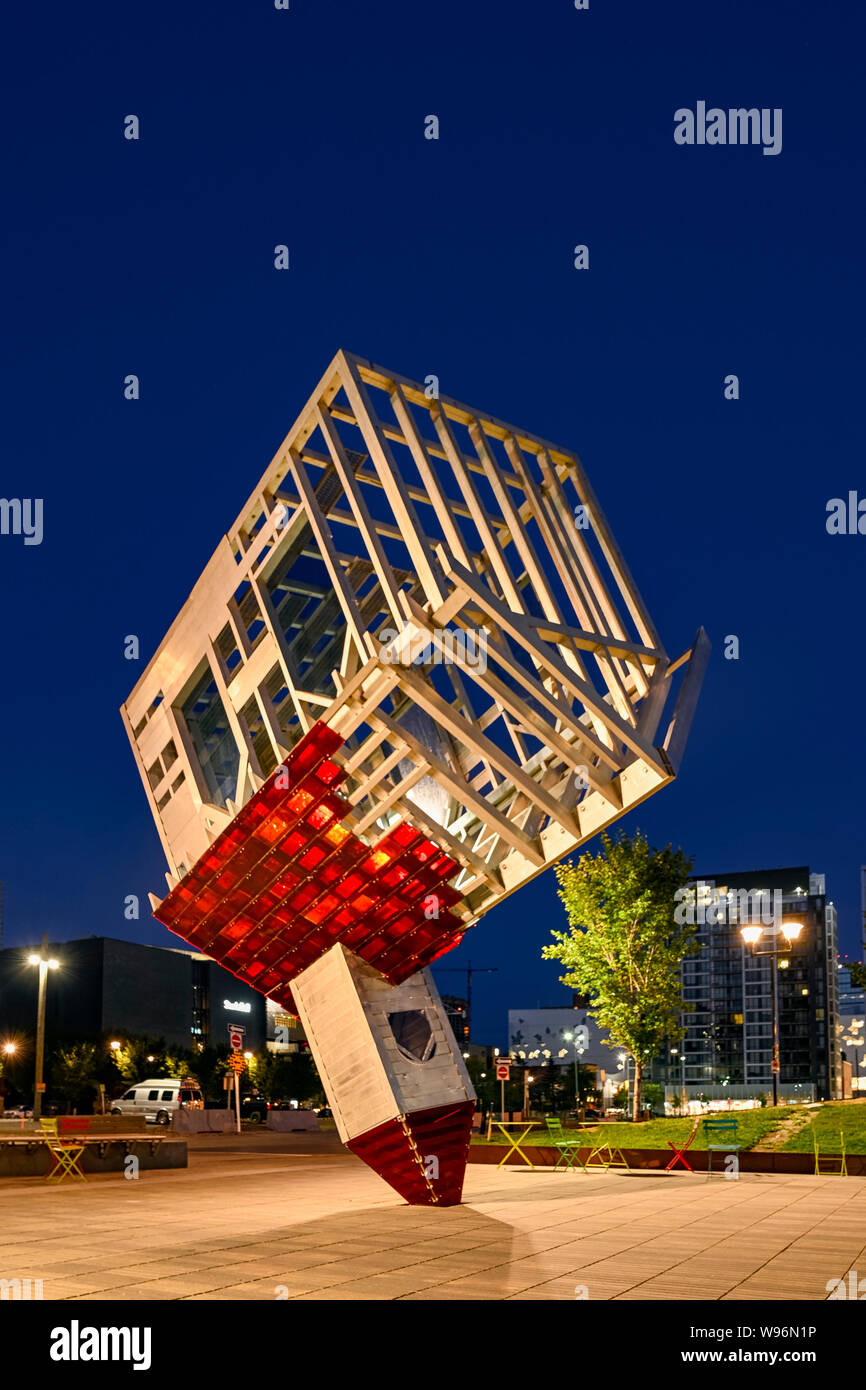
point(254, 1108)
point(157, 1098)
point(16, 1112)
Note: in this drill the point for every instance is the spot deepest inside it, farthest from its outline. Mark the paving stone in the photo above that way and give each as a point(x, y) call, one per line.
point(240, 1225)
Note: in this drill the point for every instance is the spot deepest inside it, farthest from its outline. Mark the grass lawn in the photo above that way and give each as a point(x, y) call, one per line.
point(847, 1116)
point(654, 1134)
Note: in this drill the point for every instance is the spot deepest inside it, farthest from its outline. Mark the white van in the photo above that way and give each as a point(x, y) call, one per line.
point(158, 1098)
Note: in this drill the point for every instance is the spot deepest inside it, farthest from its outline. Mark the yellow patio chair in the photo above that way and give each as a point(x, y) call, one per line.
point(66, 1153)
point(842, 1170)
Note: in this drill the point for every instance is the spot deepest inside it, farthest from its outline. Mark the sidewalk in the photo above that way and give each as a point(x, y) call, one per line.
point(279, 1221)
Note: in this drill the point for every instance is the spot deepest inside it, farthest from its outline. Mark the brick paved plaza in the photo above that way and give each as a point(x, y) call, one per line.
point(271, 1215)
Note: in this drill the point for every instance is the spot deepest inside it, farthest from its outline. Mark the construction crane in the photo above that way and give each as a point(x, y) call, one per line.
point(468, 970)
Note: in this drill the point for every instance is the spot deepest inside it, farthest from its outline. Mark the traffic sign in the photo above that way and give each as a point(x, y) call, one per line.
point(236, 1036)
point(503, 1071)
point(237, 1063)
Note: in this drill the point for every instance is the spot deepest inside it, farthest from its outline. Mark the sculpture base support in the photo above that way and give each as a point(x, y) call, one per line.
point(422, 1155)
point(393, 1074)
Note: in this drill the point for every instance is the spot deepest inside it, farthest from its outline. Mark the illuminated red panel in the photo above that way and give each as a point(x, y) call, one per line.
point(287, 880)
point(443, 1131)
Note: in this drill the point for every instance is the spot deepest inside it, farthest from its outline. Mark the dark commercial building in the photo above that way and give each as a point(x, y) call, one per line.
point(458, 1016)
point(728, 1045)
point(119, 987)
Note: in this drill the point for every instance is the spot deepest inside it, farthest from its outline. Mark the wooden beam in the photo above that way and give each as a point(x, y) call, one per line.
point(448, 718)
point(399, 499)
point(475, 806)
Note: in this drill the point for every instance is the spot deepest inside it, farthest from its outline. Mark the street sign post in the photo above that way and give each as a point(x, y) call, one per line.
point(237, 1064)
point(503, 1073)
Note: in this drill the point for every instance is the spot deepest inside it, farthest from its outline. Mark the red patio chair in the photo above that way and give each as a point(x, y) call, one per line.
point(679, 1152)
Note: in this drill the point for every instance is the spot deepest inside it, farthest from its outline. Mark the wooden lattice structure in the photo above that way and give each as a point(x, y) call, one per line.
point(414, 674)
point(387, 512)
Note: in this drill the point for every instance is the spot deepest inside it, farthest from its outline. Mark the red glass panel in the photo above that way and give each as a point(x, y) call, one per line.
point(249, 890)
point(350, 885)
point(376, 861)
point(312, 857)
point(404, 834)
point(271, 829)
point(394, 876)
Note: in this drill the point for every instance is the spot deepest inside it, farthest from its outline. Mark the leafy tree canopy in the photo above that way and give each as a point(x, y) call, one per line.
point(623, 947)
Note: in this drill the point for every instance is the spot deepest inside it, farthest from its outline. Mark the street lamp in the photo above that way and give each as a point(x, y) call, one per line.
point(9, 1050)
point(751, 936)
point(576, 1039)
point(855, 1040)
point(682, 1056)
point(45, 964)
point(528, 1079)
point(622, 1065)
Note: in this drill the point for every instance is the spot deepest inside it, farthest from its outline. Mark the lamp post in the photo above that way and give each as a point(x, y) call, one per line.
point(855, 1040)
point(45, 963)
point(622, 1065)
point(9, 1050)
point(578, 1042)
point(675, 1052)
point(527, 1082)
point(751, 936)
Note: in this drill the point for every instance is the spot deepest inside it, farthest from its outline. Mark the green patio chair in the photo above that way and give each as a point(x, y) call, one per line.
point(568, 1148)
point(721, 1136)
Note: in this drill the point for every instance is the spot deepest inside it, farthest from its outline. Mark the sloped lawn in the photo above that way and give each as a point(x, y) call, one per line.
point(847, 1116)
point(654, 1134)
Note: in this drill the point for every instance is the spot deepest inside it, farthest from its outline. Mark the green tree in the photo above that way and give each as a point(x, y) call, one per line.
point(858, 973)
point(130, 1058)
point(623, 948)
point(283, 1076)
point(74, 1073)
point(209, 1068)
point(178, 1062)
point(484, 1084)
point(654, 1097)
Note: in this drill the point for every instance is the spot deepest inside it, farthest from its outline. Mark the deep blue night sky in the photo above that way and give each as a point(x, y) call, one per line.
point(453, 257)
